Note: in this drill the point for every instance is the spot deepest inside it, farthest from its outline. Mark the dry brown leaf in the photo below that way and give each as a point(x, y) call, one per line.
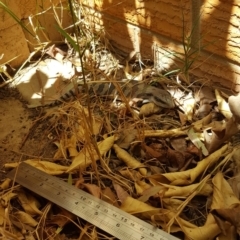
point(162, 216)
point(231, 214)
point(144, 211)
point(203, 110)
point(233, 102)
point(150, 192)
point(61, 151)
point(172, 204)
point(9, 235)
point(149, 109)
point(219, 138)
point(153, 152)
point(132, 174)
point(82, 131)
point(29, 203)
point(121, 193)
point(188, 106)
point(216, 126)
point(129, 160)
point(141, 186)
point(3, 216)
point(134, 206)
point(25, 218)
point(45, 166)
point(126, 137)
point(197, 141)
point(93, 189)
point(66, 146)
point(109, 196)
point(207, 232)
point(5, 184)
point(176, 158)
point(5, 198)
point(183, 118)
point(223, 196)
point(234, 181)
point(179, 144)
point(62, 218)
point(200, 124)
point(175, 191)
point(71, 146)
point(189, 176)
point(229, 233)
point(205, 95)
point(89, 154)
point(223, 105)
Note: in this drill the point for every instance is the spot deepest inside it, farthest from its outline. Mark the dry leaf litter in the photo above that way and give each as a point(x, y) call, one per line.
point(177, 169)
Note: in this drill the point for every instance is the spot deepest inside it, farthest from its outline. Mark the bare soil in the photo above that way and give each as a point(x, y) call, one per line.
point(22, 135)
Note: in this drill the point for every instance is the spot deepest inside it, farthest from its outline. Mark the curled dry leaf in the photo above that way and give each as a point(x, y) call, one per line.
point(149, 109)
point(150, 192)
point(109, 196)
point(207, 232)
point(172, 203)
point(203, 110)
point(176, 158)
point(9, 235)
point(134, 206)
point(200, 124)
point(93, 189)
point(141, 186)
point(189, 176)
point(129, 160)
point(131, 174)
point(219, 138)
point(183, 118)
point(175, 191)
point(179, 144)
point(223, 196)
point(88, 154)
point(5, 184)
point(233, 102)
point(47, 167)
point(126, 137)
point(163, 216)
point(25, 218)
point(29, 203)
point(62, 218)
point(223, 105)
point(68, 145)
point(155, 151)
point(121, 193)
point(193, 136)
point(81, 130)
point(231, 214)
point(188, 106)
point(71, 146)
point(5, 198)
point(2, 215)
point(205, 95)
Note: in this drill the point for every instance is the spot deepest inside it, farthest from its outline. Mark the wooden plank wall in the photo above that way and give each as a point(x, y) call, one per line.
point(17, 43)
point(155, 27)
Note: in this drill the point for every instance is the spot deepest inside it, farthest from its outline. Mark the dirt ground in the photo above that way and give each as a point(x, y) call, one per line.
point(22, 137)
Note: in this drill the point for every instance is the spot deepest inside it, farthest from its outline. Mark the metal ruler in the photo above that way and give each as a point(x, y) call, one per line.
point(97, 212)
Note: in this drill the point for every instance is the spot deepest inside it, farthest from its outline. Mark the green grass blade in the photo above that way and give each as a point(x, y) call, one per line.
point(12, 14)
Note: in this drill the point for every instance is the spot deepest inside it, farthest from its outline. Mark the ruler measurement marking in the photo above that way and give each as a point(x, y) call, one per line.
point(86, 206)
